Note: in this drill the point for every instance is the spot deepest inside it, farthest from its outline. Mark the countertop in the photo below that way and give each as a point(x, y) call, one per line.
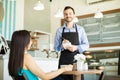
point(36, 58)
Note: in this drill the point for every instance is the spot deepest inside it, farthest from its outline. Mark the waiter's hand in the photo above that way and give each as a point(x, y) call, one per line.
point(66, 43)
point(72, 48)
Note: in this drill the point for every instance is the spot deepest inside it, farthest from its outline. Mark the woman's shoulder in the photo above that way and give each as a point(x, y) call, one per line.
point(27, 56)
point(27, 60)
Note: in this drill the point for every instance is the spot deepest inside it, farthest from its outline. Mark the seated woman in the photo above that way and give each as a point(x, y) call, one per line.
point(21, 65)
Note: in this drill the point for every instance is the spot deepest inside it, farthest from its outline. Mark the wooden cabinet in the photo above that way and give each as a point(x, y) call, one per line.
point(35, 37)
point(102, 30)
point(38, 38)
point(34, 45)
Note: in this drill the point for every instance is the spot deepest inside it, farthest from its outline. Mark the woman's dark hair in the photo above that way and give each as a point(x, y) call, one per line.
point(69, 7)
point(20, 40)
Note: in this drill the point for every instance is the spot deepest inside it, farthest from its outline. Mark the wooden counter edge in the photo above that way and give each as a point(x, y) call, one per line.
point(83, 72)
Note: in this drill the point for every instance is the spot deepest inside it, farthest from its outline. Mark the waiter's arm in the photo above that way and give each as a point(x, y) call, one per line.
point(83, 41)
point(57, 40)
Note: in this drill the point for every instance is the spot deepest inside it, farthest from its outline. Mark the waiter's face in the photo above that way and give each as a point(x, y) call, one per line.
point(68, 15)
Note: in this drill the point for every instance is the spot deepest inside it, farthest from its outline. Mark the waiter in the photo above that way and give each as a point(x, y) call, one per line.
point(70, 39)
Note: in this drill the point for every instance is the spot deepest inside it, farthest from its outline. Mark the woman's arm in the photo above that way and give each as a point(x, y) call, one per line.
point(34, 68)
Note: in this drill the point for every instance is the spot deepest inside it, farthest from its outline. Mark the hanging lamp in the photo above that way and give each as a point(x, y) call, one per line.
point(59, 14)
point(38, 6)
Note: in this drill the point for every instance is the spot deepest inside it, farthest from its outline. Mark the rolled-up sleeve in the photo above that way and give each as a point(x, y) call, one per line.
point(57, 40)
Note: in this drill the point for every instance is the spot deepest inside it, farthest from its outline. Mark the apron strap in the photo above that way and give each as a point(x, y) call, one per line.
point(76, 28)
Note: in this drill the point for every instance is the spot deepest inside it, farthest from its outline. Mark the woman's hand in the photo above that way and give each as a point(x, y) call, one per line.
point(68, 67)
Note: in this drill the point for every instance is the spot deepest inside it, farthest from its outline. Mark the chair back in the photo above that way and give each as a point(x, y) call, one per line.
point(101, 76)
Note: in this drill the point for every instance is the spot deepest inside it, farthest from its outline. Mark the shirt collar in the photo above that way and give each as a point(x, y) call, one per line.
point(66, 26)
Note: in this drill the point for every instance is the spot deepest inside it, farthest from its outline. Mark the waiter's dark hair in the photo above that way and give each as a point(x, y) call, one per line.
point(69, 7)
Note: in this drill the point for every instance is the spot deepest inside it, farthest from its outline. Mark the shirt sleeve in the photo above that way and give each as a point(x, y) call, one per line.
point(83, 41)
point(57, 40)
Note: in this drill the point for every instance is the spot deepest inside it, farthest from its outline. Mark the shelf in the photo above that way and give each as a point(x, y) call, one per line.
point(110, 32)
point(92, 24)
point(41, 40)
point(34, 37)
point(112, 25)
point(93, 33)
point(41, 32)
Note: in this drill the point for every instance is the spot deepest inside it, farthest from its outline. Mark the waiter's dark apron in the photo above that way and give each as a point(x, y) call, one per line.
point(67, 57)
